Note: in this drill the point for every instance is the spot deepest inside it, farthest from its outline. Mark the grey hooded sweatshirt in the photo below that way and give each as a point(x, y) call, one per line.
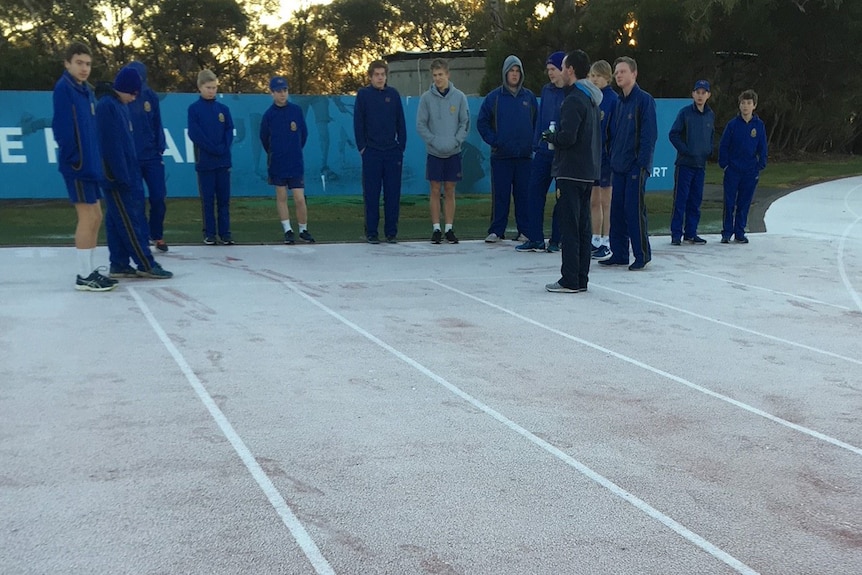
point(443, 121)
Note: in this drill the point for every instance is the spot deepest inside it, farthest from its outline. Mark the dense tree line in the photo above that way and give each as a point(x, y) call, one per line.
point(801, 56)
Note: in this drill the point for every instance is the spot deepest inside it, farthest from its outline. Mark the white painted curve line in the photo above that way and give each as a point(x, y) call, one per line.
point(768, 290)
point(300, 535)
point(638, 503)
point(655, 370)
point(841, 270)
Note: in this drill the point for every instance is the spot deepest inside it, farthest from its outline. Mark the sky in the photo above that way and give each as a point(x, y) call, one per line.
point(290, 6)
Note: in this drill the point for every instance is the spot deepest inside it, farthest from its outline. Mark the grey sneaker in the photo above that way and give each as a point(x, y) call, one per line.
point(492, 239)
point(156, 272)
point(557, 288)
point(94, 282)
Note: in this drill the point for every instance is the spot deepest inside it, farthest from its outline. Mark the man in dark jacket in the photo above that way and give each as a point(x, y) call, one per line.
point(577, 164)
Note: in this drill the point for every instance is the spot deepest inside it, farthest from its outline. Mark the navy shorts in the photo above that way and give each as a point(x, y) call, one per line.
point(443, 169)
point(606, 178)
point(290, 183)
point(82, 191)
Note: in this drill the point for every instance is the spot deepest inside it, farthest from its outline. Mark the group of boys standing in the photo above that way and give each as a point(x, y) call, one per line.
point(598, 146)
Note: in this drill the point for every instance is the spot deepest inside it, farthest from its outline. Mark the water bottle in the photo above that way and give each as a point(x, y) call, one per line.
point(552, 128)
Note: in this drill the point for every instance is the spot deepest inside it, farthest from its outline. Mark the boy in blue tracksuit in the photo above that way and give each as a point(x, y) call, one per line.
point(210, 128)
point(150, 144)
point(381, 137)
point(600, 200)
point(742, 155)
point(126, 222)
point(632, 134)
point(507, 122)
point(691, 134)
point(74, 126)
point(283, 134)
point(552, 96)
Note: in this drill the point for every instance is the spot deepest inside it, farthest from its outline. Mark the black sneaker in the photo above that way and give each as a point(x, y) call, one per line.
point(305, 236)
point(161, 246)
point(450, 237)
point(373, 239)
point(228, 241)
point(725, 240)
point(436, 237)
point(156, 272)
point(696, 240)
point(289, 238)
point(638, 266)
point(105, 278)
point(741, 239)
point(94, 282)
point(210, 241)
point(391, 240)
point(126, 272)
point(675, 242)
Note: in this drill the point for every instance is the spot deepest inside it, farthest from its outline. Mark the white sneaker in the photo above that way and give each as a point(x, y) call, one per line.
point(492, 239)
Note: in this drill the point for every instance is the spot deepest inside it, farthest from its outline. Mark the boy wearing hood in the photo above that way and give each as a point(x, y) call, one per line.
point(577, 165)
point(506, 122)
point(149, 135)
point(443, 121)
point(126, 223)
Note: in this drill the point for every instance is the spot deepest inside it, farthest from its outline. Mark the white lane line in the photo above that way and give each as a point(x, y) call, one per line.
point(733, 326)
point(841, 271)
point(768, 290)
point(657, 371)
point(300, 535)
point(638, 503)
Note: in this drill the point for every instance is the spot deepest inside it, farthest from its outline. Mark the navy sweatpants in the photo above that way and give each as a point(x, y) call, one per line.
point(537, 195)
point(510, 177)
point(127, 230)
point(687, 197)
point(382, 169)
point(153, 172)
point(214, 188)
point(738, 193)
point(629, 218)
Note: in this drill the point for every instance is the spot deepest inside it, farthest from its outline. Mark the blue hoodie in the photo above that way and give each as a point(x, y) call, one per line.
point(549, 111)
point(691, 134)
point(147, 120)
point(507, 118)
point(211, 131)
point(632, 132)
point(74, 126)
point(743, 145)
point(122, 171)
point(283, 134)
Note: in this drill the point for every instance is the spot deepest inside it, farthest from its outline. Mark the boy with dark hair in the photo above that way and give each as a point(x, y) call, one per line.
point(126, 223)
point(283, 134)
point(506, 123)
point(74, 126)
point(691, 134)
point(443, 121)
point(742, 156)
point(149, 135)
point(211, 131)
point(381, 137)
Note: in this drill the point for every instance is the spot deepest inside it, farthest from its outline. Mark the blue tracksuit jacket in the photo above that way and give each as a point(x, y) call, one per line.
point(378, 119)
point(632, 132)
point(513, 138)
point(692, 135)
point(607, 107)
point(211, 131)
point(146, 117)
point(743, 145)
point(120, 162)
point(283, 133)
point(74, 126)
point(549, 111)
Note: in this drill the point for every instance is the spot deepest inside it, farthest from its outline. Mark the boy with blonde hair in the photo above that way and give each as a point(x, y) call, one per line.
point(600, 200)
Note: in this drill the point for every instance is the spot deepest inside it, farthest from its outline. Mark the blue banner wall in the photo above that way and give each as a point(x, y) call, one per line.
point(28, 156)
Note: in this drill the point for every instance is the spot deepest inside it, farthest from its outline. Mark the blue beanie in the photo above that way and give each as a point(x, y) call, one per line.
point(556, 59)
point(128, 81)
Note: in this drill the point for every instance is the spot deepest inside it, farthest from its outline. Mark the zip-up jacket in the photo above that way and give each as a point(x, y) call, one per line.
point(147, 120)
point(283, 134)
point(507, 120)
point(443, 121)
point(549, 111)
point(578, 140)
point(632, 132)
point(743, 145)
point(119, 161)
point(74, 127)
point(211, 131)
point(692, 135)
point(378, 119)
point(610, 99)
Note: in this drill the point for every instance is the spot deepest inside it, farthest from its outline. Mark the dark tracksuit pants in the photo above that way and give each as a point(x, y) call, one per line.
point(738, 193)
point(214, 188)
point(540, 182)
point(510, 177)
point(629, 218)
point(126, 229)
point(573, 207)
point(153, 172)
point(687, 197)
point(382, 169)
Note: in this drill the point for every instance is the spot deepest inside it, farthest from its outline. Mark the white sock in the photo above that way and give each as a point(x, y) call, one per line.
point(448, 227)
point(303, 227)
point(596, 239)
point(286, 225)
point(606, 241)
point(436, 227)
point(85, 262)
